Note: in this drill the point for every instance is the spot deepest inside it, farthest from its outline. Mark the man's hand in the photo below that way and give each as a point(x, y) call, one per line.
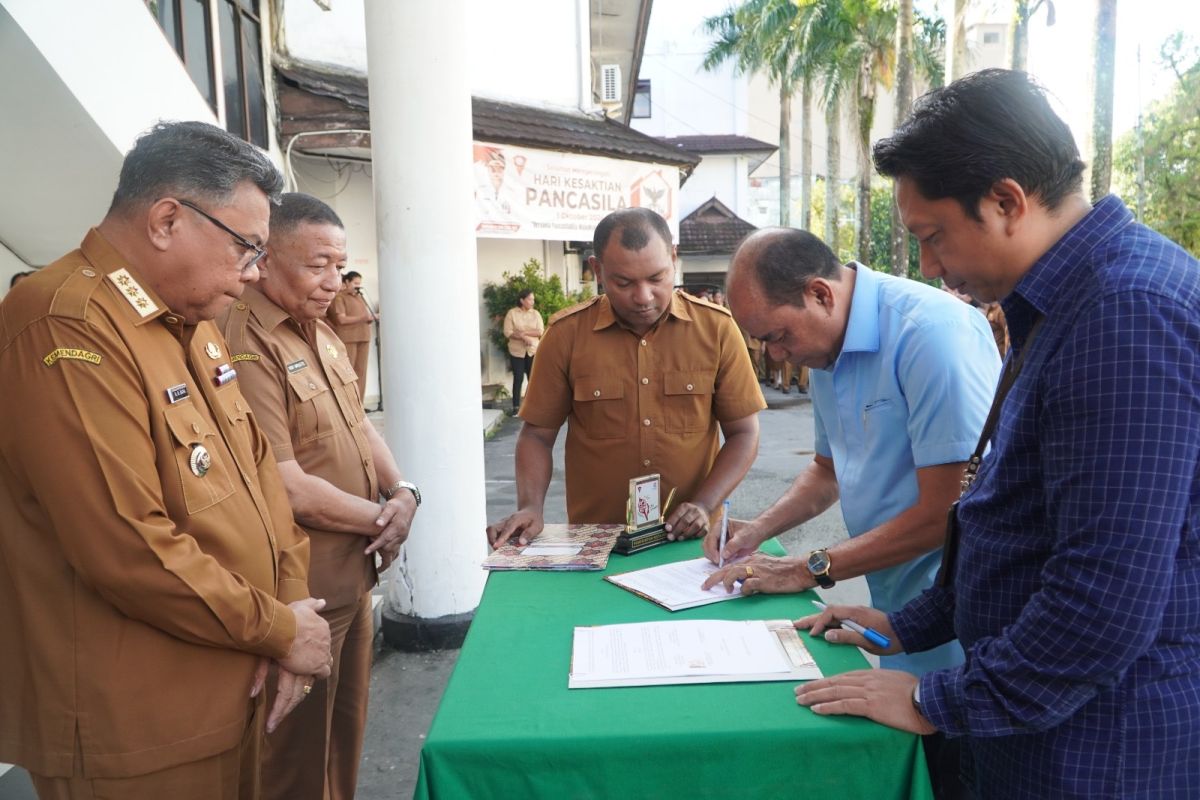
point(289, 691)
point(884, 695)
point(743, 540)
point(310, 649)
point(689, 521)
point(394, 521)
point(524, 525)
point(763, 574)
point(826, 622)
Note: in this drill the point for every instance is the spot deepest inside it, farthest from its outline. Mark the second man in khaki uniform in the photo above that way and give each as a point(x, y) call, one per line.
point(335, 465)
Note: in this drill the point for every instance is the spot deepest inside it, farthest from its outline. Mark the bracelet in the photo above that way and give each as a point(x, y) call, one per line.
point(390, 492)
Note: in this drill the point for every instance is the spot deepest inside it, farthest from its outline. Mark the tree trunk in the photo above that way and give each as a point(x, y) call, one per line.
point(956, 42)
point(864, 107)
point(904, 96)
point(1102, 96)
point(833, 157)
point(785, 154)
point(1018, 35)
point(806, 146)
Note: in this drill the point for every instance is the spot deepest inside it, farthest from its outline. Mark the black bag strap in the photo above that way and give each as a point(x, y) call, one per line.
point(1012, 369)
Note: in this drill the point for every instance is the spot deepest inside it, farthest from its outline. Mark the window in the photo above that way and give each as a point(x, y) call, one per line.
point(188, 26)
point(641, 100)
point(991, 37)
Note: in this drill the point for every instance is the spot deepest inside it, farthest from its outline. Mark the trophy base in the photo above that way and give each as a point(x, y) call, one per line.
point(631, 542)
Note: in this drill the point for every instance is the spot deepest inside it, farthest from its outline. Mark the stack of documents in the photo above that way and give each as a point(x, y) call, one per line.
point(676, 585)
point(689, 651)
point(558, 548)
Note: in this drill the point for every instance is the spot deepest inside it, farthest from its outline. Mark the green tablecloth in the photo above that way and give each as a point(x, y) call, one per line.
point(508, 727)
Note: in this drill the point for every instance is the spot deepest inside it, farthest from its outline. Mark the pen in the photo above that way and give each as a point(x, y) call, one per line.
point(870, 634)
point(724, 534)
point(667, 507)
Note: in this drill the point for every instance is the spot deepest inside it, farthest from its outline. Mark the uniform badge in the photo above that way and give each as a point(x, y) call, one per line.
point(296, 366)
point(133, 292)
point(333, 353)
point(177, 393)
point(225, 374)
point(73, 353)
point(212, 350)
point(200, 461)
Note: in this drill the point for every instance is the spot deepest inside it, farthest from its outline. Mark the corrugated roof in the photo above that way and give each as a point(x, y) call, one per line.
point(311, 98)
point(712, 229)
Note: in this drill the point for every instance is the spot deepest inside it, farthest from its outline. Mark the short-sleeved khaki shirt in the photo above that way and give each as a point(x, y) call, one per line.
point(351, 304)
point(636, 405)
point(305, 394)
point(520, 319)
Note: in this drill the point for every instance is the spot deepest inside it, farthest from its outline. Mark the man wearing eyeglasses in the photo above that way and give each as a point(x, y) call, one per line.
point(151, 568)
point(335, 465)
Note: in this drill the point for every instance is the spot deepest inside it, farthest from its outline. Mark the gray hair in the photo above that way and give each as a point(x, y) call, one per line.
point(296, 208)
point(195, 161)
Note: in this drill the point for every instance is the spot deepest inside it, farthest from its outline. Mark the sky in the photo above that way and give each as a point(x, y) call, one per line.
point(1060, 55)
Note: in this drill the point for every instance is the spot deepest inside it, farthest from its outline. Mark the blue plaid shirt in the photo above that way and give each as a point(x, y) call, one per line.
point(1077, 589)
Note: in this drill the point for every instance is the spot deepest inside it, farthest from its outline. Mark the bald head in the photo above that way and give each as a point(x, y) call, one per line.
point(779, 263)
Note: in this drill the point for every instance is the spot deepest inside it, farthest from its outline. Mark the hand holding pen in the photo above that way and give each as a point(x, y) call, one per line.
point(869, 628)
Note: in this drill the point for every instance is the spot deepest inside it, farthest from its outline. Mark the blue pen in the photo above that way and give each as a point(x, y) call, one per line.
point(870, 634)
point(724, 534)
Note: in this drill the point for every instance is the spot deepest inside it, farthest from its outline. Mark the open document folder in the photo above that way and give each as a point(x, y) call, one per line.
point(689, 651)
point(676, 585)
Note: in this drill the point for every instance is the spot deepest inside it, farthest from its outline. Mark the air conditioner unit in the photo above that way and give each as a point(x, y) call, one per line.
point(610, 83)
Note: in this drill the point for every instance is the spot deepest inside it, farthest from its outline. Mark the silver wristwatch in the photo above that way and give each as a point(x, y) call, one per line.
point(390, 492)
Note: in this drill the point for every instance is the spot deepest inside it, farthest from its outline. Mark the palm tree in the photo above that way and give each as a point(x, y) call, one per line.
point(1018, 39)
point(1102, 96)
point(904, 98)
point(759, 36)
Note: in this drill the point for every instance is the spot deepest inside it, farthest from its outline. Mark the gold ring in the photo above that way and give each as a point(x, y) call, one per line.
point(308, 688)
point(749, 572)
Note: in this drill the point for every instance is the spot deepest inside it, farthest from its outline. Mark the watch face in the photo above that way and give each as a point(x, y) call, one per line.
point(818, 562)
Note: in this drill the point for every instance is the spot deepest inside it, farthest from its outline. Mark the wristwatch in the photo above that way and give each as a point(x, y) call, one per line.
point(916, 700)
point(818, 564)
point(390, 492)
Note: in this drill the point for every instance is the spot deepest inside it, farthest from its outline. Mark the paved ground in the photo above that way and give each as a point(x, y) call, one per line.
point(406, 687)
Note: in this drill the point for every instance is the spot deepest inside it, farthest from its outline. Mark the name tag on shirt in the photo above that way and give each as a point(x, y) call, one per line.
point(296, 366)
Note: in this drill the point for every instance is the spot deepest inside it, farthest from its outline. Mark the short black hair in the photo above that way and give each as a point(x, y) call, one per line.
point(635, 225)
point(521, 295)
point(296, 208)
point(195, 161)
point(993, 124)
point(786, 263)
point(351, 275)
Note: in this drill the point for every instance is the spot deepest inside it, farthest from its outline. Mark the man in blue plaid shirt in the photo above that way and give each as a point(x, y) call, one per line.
point(1076, 589)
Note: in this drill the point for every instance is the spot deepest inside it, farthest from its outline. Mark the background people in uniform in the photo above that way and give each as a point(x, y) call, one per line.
point(523, 328)
point(351, 316)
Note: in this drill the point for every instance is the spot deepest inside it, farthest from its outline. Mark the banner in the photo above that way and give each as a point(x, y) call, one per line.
point(522, 193)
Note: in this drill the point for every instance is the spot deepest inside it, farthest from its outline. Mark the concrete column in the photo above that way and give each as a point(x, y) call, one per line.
point(429, 299)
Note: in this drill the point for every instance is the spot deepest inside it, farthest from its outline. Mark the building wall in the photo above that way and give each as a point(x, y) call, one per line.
point(521, 50)
point(10, 265)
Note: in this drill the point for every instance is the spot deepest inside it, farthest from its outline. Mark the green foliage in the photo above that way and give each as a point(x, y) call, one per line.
point(881, 236)
point(548, 294)
point(1171, 149)
point(844, 246)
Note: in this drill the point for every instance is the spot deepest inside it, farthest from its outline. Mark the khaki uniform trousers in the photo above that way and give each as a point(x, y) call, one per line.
point(358, 353)
point(314, 753)
point(232, 775)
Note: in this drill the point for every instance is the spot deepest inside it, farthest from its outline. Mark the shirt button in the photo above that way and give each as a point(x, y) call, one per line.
point(689, 387)
point(646, 463)
point(241, 306)
point(643, 342)
point(172, 320)
point(646, 422)
point(596, 393)
point(237, 404)
point(312, 385)
point(89, 273)
point(195, 428)
point(645, 381)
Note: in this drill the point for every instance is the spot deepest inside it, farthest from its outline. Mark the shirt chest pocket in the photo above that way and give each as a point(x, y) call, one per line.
point(883, 420)
point(311, 416)
point(600, 407)
point(687, 400)
point(345, 373)
point(202, 472)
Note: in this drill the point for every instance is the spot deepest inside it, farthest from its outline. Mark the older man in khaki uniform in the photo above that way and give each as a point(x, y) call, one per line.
point(643, 376)
point(335, 466)
point(150, 564)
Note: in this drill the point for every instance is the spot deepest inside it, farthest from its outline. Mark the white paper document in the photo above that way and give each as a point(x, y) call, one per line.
point(551, 549)
point(688, 651)
point(676, 585)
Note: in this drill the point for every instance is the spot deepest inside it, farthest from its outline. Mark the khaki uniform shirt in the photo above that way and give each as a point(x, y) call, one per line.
point(137, 590)
point(351, 304)
point(519, 319)
point(305, 394)
point(639, 405)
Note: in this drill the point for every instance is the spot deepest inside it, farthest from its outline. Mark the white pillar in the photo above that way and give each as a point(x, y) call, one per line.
point(429, 296)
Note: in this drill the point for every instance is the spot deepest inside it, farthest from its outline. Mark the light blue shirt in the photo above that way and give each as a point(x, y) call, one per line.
point(911, 388)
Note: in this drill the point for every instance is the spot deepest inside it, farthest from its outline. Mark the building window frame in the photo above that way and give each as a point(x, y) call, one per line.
point(642, 105)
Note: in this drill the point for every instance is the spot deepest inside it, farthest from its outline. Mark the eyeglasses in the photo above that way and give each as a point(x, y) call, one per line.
point(237, 237)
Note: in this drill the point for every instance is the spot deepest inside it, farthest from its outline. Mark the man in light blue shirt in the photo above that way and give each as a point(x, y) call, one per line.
point(902, 376)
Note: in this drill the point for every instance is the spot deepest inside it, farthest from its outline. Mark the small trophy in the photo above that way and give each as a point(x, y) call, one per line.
point(645, 516)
